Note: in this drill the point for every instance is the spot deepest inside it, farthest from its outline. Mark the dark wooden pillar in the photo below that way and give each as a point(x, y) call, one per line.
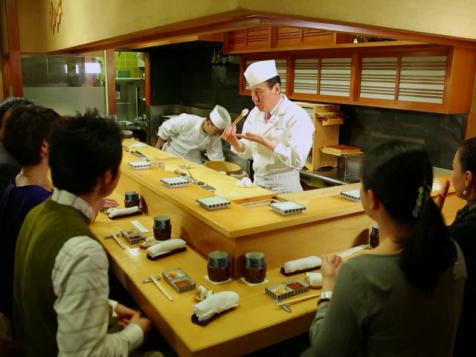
point(111, 81)
point(11, 61)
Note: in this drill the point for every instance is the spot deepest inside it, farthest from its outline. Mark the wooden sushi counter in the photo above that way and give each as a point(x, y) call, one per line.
point(329, 224)
point(248, 224)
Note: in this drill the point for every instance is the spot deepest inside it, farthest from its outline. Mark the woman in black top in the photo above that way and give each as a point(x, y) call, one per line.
point(463, 230)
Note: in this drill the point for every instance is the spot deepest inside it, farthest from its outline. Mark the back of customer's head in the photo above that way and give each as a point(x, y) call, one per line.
point(11, 102)
point(401, 176)
point(467, 155)
point(82, 149)
point(25, 129)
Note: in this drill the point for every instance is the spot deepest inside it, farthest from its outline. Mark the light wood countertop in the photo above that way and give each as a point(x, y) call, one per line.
point(257, 321)
point(239, 220)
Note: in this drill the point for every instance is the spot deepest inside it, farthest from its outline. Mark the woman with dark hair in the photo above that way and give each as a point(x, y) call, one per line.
point(405, 297)
point(463, 230)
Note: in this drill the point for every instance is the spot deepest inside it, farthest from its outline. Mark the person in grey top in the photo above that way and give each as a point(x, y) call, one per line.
point(405, 297)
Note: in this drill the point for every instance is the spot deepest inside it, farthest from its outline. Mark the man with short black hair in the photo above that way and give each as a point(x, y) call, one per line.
point(61, 287)
point(277, 133)
point(9, 167)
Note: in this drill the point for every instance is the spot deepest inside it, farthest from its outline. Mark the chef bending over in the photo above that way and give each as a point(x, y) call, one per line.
point(187, 135)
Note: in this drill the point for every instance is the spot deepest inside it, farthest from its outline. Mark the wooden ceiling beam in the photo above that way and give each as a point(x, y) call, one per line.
point(240, 19)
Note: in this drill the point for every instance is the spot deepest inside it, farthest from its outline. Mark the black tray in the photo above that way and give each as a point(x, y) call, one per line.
point(207, 321)
point(298, 271)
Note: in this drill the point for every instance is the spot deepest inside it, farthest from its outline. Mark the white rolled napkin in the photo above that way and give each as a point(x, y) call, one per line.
point(215, 304)
point(166, 246)
point(302, 264)
point(353, 250)
point(314, 279)
point(244, 182)
point(117, 212)
point(137, 145)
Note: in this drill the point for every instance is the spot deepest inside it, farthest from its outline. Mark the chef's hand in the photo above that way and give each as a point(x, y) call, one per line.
point(229, 134)
point(330, 268)
point(441, 195)
point(257, 138)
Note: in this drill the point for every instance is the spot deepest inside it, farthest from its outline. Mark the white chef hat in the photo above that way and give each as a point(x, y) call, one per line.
point(261, 71)
point(220, 117)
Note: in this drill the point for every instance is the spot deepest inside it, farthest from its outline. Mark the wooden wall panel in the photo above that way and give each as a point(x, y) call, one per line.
point(305, 75)
point(378, 77)
point(422, 79)
point(427, 78)
point(461, 79)
point(335, 76)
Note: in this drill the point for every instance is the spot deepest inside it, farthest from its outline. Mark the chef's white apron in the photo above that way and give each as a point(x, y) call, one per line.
point(284, 182)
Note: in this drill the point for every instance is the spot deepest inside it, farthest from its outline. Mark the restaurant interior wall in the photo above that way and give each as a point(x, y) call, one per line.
point(100, 20)
point(88, 21)
point(65, 83)
point(184, 74)
point(441, 134)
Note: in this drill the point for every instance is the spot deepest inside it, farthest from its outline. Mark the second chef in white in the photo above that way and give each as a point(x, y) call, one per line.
point(187, 135)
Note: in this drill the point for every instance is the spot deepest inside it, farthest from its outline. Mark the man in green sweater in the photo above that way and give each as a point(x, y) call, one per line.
point(61, 304)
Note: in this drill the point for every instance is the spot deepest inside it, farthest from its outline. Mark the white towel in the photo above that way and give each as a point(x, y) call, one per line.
point(215, 304)
point(302, 264)
point(137, 145)
point(353, 250)
point(166, 246)
point(117, 212)
point(244, 182)
point(314, 279)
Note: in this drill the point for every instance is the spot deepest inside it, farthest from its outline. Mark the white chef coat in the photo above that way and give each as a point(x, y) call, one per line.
point(291, 128)
point(185, 138)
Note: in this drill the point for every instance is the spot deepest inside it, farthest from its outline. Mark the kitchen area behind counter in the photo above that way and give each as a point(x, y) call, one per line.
point(185, 78)
point(161, 113)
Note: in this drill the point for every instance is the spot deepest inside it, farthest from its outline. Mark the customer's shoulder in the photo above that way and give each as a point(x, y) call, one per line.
point(371, 260)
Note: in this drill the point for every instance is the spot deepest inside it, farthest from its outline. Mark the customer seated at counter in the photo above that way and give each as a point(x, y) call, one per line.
point(463, 230)
point(277, 134)
point(189, 135)
point(61, 304)
point(25, 135)
point(405, 297)
point(9, 168)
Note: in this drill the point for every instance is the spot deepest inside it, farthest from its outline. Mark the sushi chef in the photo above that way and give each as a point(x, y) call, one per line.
point(188, 135)
point(277, 134)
